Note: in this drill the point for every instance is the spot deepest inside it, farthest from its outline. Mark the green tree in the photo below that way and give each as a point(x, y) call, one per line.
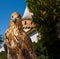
point(1, 38)
point(3, 55)
point(46, 16)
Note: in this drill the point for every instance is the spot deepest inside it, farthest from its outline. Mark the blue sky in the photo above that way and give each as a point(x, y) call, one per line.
point(6, 8)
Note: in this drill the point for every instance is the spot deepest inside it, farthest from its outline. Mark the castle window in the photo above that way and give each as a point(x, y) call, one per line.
point(25, 22)
point(31, 23)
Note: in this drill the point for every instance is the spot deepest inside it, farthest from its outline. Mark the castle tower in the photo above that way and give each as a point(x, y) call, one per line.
point(28, 25)
point(27, 14)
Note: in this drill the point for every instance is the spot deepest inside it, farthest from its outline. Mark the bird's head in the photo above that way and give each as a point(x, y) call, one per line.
point(16, 19)
point(15, 16)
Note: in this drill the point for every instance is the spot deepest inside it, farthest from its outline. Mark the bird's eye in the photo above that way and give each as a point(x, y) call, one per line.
point(12, 16)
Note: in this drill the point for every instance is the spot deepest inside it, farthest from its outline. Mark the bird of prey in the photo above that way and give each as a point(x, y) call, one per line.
point(17, 43)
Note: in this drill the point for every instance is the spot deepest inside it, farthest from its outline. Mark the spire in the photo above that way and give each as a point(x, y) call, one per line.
point(27, 14)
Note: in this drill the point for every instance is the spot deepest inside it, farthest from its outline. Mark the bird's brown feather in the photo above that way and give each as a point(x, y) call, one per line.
point(17, 43)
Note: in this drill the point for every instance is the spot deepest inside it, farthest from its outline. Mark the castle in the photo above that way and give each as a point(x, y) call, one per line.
point(29, 26)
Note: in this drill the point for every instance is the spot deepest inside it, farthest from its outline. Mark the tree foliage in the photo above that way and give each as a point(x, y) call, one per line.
point(46, 16)
point(3, 55)
point(1, 38)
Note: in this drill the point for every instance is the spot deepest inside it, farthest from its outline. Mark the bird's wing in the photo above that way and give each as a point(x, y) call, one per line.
point(6, 40)
point(28, 49)
point(27, 41)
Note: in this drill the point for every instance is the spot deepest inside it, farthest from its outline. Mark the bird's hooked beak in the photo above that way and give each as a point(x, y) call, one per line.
point(15, 20)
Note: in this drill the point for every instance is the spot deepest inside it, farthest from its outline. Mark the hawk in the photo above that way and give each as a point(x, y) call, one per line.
point(17, 43)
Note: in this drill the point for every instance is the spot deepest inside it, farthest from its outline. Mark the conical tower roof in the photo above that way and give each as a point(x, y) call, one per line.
point(27, 14)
